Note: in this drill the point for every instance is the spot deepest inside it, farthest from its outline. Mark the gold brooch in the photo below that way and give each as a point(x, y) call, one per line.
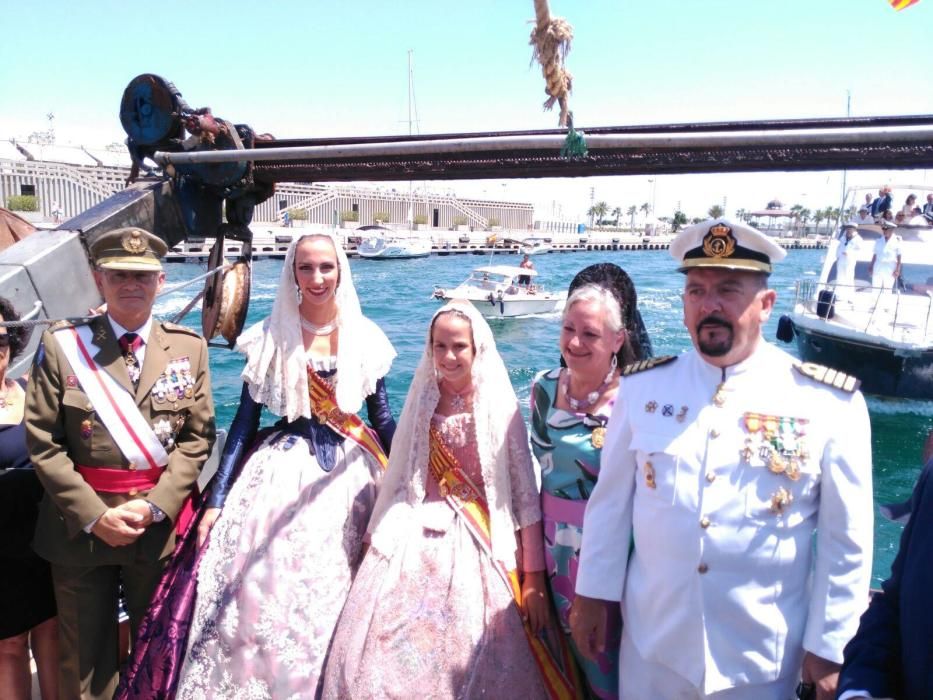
point(780, 500)
point(133, 242)
point(598, 437)
point(649, 476)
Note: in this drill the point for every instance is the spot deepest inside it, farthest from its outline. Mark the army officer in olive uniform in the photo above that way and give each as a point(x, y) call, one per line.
point(119, 422)
point(723, 463)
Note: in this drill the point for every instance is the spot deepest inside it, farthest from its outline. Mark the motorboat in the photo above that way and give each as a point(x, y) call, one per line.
point(381, 243)
point(500, 291)
point(536, 246)
point(882, 336)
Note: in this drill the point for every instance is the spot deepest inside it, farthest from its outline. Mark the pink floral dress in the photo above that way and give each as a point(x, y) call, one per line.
point(434, 619)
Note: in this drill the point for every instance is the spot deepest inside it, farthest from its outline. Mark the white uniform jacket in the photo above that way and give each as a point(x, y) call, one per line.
point(722, 586)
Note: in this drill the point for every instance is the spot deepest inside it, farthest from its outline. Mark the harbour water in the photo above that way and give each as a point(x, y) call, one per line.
point(396, 295)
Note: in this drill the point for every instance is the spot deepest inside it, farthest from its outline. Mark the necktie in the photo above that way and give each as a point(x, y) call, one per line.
point(130, 343)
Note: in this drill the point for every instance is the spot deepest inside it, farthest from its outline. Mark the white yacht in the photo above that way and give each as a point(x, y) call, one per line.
point(500, 291)
point(536, 246)
point(381, 243)
point(884, 337)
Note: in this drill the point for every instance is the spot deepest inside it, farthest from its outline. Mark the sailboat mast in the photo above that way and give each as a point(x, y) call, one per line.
point(411, 99)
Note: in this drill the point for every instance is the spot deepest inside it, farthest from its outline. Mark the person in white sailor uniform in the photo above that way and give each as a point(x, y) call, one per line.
point(119, 421)
point(724, 464)
point(847, 257)
point(885, 266)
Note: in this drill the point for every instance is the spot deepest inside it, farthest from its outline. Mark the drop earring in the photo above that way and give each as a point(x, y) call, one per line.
point(298, 295)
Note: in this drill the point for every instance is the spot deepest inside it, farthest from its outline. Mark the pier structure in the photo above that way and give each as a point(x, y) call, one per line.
point(67, 180)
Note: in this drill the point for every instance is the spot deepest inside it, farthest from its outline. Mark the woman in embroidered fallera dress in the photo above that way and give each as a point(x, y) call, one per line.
point(601, 332)
point(432, 613)
point(279, 557)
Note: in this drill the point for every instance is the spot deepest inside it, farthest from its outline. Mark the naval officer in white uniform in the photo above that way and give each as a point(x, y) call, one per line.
point(725, 464)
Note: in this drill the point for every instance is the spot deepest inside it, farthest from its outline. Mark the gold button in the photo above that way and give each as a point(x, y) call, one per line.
point(703, 568)
point(133, 492)
point(714, 433)
point(704, 522)
point(89, 407)
point(710, 477)
point(131, 466)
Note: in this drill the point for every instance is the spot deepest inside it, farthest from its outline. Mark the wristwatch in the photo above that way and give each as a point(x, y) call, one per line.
point(157, 515)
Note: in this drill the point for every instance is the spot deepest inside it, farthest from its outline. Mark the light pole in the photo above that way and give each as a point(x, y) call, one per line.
point(653, 181)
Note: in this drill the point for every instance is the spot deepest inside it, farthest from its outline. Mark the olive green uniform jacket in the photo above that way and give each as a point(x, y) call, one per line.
point(63, 430)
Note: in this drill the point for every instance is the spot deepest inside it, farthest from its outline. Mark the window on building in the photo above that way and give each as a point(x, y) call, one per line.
point(27, 190)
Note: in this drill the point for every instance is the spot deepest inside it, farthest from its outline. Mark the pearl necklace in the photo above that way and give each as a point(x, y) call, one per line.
point(323, 329)
point(591, 398)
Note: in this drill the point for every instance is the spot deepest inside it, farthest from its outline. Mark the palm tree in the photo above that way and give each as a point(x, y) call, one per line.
point(741, 215)
point(598, 211)
point(715, 211)
point(616, 214)
point(818, 216)
point(804, 216)
point(645, 208)
point(631, 211)
point(834, 214)
point(679, 220)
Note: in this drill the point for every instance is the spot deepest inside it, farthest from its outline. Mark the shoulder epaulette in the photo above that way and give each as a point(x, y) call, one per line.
point(175, 328)
point(650, 363)
point(828, 376)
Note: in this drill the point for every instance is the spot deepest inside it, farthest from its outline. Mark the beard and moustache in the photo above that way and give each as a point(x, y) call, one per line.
point(721, 343)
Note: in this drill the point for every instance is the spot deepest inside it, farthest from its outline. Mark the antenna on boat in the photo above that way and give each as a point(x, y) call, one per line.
point(842, 205)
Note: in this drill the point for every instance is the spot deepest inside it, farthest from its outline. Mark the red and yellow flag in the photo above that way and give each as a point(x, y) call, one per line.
point(902, 4)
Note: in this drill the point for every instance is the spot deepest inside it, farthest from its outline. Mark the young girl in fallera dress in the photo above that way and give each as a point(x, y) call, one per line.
point(432, 612)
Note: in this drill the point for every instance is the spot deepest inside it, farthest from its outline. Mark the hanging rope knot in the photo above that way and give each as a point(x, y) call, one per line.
point(575, 143)
point(551, 39)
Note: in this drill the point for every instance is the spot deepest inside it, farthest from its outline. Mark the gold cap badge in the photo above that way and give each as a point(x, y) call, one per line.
point(719, 242)
point(133, 241)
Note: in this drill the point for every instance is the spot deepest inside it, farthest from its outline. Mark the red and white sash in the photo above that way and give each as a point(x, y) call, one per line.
point(113, 403)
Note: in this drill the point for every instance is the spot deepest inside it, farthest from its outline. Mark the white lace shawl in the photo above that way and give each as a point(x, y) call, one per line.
point(276, 365)
point(495, 408)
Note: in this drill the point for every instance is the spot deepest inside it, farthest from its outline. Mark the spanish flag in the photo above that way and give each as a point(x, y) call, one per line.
point(491, 239)
point(902, 4)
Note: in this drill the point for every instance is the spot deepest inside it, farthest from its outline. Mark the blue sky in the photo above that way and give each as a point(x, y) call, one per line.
point(324, 68)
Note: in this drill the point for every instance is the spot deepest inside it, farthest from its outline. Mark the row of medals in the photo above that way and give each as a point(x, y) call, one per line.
point(173, 385)
point(780, 446)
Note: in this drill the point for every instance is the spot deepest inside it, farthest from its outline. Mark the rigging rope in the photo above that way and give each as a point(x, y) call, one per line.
point(551, 40)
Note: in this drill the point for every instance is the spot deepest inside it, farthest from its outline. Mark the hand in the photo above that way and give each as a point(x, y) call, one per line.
point(118, 527)
point(207, 522)
point(822, 673)
point(535, 603)
point(141, 508)
point(588, 618)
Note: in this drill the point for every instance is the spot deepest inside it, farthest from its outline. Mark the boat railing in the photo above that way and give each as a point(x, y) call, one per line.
point(821, 299)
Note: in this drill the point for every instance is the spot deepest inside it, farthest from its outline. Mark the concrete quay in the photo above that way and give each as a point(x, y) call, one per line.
point(271, 242)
